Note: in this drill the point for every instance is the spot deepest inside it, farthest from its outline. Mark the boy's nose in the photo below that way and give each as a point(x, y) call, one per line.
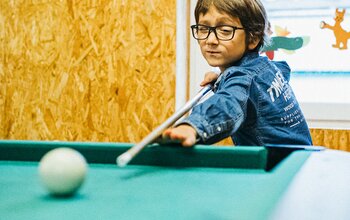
point(212, 38)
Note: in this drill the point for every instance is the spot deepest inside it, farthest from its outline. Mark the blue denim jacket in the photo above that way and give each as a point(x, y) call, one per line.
point(254, 104)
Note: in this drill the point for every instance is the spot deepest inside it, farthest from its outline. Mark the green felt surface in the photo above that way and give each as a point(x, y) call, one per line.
point(152, 192)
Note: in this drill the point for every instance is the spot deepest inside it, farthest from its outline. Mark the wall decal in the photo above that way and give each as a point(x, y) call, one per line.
point(286, 44)
point(341, 35)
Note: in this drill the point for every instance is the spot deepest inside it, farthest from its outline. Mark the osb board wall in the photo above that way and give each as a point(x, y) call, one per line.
point(93, 70)
point(330, 138)
point(334, 139)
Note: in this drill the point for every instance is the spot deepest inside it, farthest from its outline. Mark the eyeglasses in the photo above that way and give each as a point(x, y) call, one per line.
point(222, 32)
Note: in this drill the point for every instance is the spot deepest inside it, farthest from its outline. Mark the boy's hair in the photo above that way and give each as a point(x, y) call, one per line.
point(251, 13)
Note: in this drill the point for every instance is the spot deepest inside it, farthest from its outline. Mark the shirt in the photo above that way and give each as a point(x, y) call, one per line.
point(254, 104)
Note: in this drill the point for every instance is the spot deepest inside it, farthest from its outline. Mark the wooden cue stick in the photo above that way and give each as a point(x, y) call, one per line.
point(126, 157)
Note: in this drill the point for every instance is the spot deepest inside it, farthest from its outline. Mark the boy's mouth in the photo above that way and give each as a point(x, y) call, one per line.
point(211, 52)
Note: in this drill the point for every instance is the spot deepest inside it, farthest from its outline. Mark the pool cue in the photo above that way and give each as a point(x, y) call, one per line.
point(123, 159)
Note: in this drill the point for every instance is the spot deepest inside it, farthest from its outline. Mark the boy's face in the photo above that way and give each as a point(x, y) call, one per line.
point(220, 53)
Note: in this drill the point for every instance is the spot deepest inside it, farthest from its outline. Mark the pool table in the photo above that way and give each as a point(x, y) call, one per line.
point(171, 182)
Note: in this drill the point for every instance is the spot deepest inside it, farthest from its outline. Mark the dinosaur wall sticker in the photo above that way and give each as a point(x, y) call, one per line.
point(282, 42)
point(341, 35)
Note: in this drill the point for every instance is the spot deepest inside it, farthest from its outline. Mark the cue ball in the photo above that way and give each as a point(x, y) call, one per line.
point(62, 171)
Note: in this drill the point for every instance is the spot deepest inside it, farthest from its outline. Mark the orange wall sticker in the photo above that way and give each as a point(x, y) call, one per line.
point(341, 35)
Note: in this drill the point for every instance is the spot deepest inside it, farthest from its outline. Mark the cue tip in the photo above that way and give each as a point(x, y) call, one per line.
point(123, 159)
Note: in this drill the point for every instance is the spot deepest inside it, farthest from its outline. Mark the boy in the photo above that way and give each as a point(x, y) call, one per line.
point(253, 102)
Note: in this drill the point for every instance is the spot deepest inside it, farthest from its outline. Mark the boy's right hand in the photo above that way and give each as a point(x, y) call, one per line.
point(185, 134)
point(209, 78)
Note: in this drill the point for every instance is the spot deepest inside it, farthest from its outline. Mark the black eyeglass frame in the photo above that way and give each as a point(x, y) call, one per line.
point(213, 29)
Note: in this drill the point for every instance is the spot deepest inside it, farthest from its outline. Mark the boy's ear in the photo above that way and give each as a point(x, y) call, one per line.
point(253, 42)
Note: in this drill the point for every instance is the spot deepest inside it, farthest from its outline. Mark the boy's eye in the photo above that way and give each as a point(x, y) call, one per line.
point(225, 30)
point(203, 29)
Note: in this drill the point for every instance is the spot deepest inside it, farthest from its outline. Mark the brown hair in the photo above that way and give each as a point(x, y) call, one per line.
point(251, 13)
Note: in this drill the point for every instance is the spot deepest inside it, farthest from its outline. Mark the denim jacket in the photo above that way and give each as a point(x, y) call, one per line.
point(254, 104)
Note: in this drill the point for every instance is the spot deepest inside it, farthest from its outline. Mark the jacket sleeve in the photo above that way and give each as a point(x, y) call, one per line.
point(223, 113)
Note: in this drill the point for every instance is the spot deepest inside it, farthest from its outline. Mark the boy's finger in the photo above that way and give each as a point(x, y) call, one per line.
point(204, 83)
point(188, 142)
point(166, 133)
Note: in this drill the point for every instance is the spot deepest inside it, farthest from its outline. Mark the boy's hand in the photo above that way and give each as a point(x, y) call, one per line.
point(184, 133)
point(209, 78)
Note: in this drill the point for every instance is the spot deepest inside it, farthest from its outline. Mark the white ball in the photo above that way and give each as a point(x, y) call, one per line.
point(62, 171)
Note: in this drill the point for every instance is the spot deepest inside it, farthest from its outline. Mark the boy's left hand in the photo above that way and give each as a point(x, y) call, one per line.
point(209, 78)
